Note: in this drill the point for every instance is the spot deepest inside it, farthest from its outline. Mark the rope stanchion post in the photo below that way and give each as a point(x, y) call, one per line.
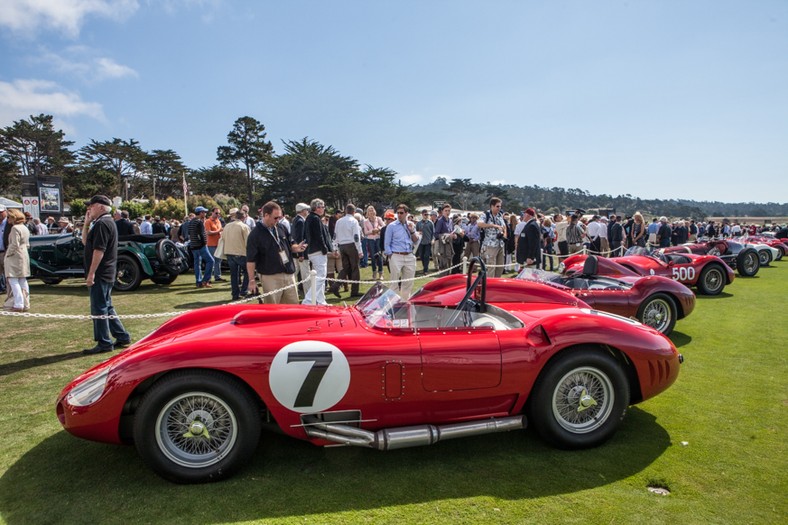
point(313, 284)
point(465, 264)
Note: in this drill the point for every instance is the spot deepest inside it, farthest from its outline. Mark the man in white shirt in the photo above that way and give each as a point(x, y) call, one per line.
point(347, 233)
point(593, 232)
point(146, 228)
point(250, 221)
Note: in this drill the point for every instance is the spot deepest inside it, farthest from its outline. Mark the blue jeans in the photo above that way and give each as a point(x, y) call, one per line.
point(238, 272)
point(217, 267)
point(101, 304)
point(373, 253)
point(198, 256)
point(364, 254)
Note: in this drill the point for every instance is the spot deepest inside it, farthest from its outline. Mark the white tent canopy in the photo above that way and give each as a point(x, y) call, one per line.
point(8, 203)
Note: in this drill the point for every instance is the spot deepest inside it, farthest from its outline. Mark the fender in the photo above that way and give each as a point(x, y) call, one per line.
point(137, 254)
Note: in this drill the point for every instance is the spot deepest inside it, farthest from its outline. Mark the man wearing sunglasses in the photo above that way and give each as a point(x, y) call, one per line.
point(269, 253)
point(398, 247)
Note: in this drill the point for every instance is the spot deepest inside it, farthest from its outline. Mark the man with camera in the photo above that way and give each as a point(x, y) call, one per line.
point(494, 229)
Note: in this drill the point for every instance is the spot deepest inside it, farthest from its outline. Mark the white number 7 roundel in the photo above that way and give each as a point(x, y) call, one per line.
point(309, 376)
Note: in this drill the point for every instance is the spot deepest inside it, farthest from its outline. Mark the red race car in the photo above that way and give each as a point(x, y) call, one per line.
point(743, 259)
point(655, 301)
point(708, 273)
point(385, 373)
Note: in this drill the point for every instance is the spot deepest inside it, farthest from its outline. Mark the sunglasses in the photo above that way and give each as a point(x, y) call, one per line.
point(401, 212)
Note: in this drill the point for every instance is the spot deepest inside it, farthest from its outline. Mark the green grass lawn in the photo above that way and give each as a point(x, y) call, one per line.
point(716, 440)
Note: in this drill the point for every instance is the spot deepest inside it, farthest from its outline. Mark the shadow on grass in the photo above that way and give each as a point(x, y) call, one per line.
point(66, 480)
point(18, 366)
point(680, 339)
point(78, 288)
point(721, 295)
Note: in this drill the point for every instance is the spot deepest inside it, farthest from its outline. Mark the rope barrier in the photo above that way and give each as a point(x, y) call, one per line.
point(140, 316)
point(311, 279)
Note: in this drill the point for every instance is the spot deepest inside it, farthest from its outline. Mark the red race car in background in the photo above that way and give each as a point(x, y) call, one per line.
point(655, 301)
point(708, 273)
point(194, 395)
point(743, 259)
point(780, 244)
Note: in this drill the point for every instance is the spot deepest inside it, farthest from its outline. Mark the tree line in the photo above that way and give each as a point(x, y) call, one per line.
point(248, 170)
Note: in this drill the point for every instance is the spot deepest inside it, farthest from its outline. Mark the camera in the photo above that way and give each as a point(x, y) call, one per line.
point(500, 236)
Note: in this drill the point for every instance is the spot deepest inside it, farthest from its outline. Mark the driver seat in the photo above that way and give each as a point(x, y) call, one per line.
point(590, 266)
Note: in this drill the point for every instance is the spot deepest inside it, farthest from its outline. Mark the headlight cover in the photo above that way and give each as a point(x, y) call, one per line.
point(89, 391)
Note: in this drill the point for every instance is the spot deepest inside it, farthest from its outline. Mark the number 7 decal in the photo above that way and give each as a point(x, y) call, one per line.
point(309, 376)
point(320, 362)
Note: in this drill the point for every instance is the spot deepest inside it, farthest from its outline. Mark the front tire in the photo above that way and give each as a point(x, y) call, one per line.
point(129, 274)
point(711, 281)
point(196, 427)
point(658, 312)
point(579, 399)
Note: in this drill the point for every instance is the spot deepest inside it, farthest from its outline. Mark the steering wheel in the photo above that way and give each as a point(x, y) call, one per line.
point(467, 304)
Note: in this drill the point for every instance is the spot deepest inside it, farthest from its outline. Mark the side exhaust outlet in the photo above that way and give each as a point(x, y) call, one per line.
point(402, 437)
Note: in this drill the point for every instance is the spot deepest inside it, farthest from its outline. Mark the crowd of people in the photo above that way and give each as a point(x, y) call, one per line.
point(276, 253)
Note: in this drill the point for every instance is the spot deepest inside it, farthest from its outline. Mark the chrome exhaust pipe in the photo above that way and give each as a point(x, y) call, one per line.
point(402, 437)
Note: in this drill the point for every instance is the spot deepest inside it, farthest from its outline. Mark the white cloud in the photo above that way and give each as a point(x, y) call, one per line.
point(76, 61)
point(62, 15)
point(108, 68)
point(411, 179)
point(24, 97)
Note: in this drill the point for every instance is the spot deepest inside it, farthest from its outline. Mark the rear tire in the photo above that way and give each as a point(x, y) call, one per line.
point(712, 280)
point(164, 279)
point(748, 263)
point(764, 257)
point(579, 399)
point(196, 427)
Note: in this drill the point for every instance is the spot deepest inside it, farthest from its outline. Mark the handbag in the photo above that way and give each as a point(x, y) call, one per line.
point(219, 252)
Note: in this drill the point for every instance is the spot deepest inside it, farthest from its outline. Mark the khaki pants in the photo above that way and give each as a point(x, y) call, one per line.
point(402, 267)
point(471, 249)
point(493, 256)
point(277, 281)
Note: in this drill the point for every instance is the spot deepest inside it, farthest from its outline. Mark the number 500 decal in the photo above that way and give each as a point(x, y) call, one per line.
point(685, 273)
point(309, 376)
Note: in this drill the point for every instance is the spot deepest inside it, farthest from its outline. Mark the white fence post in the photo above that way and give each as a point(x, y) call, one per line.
point(313, 283)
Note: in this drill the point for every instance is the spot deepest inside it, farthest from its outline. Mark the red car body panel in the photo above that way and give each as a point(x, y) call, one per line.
point(397, 376)
point(685, 268)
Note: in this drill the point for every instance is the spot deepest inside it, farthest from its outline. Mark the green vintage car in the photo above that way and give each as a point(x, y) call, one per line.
point(57, 257)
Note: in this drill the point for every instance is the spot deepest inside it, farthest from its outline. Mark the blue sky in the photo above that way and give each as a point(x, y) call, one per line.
point(657, 99)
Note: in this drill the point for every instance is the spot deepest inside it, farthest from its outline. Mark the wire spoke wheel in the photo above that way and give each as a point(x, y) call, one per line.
point(657, 314)
point(196, 430)
point(583, 400)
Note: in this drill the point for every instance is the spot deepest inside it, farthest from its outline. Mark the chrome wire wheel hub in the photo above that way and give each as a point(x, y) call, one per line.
point(196, 430)
point(583, 400)
point(657, 315)
point(713, 280)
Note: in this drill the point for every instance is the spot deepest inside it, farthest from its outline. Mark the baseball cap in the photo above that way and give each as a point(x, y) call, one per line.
point(301, 207)
point(388, 215)
point(100, 199)
point(530, 211)
point(434, 212)
point(200, 209)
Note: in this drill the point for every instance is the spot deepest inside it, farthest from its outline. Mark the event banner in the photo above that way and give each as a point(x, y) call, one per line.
point(50, 194)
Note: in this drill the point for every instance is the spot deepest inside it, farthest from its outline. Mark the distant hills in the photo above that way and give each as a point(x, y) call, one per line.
point(467, 195)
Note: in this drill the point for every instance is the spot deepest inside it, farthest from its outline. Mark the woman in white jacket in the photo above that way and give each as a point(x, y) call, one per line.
point(17, 263)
